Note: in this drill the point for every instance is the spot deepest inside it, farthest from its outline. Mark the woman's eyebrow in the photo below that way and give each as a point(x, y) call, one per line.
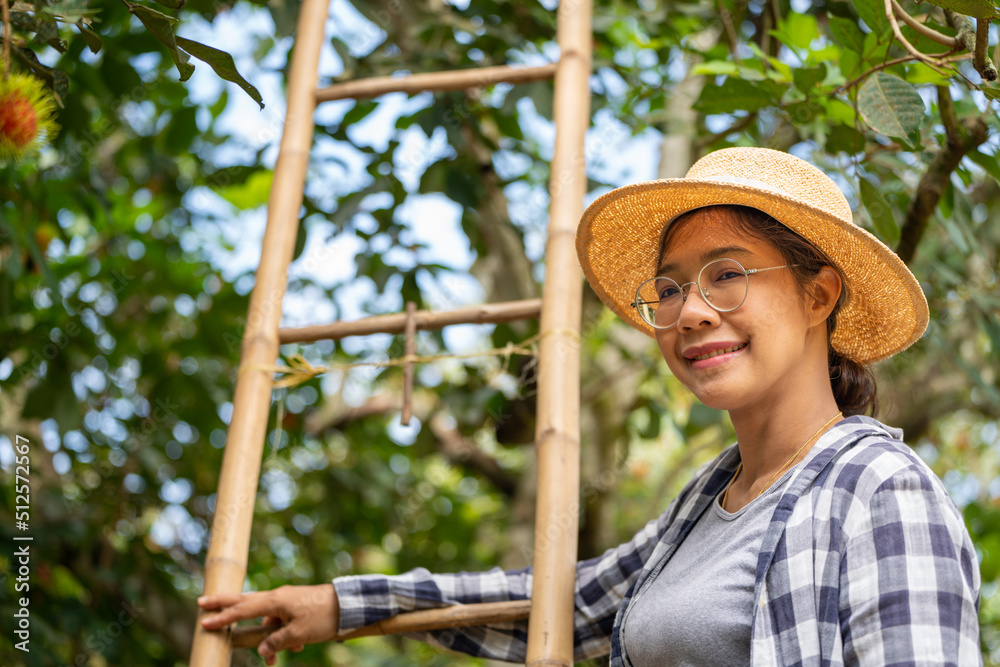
point(716, 253)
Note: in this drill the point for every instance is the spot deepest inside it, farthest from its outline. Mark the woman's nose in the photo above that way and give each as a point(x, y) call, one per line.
point(695, 311)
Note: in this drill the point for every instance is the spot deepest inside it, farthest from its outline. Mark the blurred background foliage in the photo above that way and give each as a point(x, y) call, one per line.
point(128, 249)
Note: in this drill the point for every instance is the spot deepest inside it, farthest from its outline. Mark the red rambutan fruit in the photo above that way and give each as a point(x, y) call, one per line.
point(26, 116)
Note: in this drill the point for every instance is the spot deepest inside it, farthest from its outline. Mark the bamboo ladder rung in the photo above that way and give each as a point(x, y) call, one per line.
point(434, 81)
point(459, 615)
point(488, 313)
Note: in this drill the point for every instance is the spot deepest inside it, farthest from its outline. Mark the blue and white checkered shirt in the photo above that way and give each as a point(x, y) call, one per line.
point(866, 561)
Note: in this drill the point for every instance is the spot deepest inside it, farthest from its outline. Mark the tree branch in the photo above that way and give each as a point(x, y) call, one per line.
point(982, 59)
point(727, 22)
point(917, 53)
point(926, 31)
point(962, 137)
point(946, 107)
point(976, 44)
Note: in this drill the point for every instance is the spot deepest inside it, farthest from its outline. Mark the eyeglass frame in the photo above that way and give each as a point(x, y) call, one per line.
point(684, 294)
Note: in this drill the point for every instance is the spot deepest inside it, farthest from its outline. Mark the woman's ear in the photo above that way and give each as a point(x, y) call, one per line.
point(824, 293)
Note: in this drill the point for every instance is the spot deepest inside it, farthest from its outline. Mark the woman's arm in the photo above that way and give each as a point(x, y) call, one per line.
point(601, 584)
point(311, 614)
point(910, 579)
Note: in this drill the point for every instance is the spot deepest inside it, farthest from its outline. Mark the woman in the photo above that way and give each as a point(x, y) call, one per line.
point(819, 538)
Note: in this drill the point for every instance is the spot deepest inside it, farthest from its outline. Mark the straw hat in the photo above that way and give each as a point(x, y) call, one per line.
point(885, 311)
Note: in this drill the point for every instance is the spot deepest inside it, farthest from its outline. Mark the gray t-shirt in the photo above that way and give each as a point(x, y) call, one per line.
point(698, 610)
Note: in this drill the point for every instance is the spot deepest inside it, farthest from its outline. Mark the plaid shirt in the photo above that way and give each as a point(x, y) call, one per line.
point(866, 561)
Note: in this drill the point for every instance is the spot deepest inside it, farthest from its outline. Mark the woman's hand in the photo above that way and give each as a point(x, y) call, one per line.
point(306, 614)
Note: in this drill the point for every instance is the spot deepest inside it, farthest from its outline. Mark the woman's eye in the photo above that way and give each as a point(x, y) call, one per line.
point(728, 274)
point(668, 292)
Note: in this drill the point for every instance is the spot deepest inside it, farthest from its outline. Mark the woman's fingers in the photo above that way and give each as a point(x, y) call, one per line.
point(283, 638)
point(251, 605)
point(210, 602)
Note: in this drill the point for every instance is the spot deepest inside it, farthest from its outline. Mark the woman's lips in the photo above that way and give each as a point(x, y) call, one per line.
point(716, 356)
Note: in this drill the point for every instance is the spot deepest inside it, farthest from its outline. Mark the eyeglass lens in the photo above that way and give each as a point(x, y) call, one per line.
point(723, 284)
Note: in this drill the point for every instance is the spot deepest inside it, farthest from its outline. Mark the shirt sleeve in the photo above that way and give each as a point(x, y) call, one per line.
point(601, 584)
point(910, 579)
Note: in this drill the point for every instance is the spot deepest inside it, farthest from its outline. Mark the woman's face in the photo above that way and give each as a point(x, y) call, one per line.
point(758, 349)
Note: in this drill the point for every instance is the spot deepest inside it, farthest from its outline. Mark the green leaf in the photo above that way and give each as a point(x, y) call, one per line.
point(223, 65)
point(753, 72)
point(921, 73)
point(850, 62)
point(981, 9)
point(992, 93)
point(738, 95)
point(837, 110)
point(926, 44)
point(92, 39)
point(173, 4)
point(989, 163)
point(955, 233)
point(890, 105)
point(183, 128)
point(219, 105)
point(880, 212)
point(301, 234)
point(161, 26)
point(797, 30)
point(845, 139)
point(781, 71)
point(251, 193)
point(48, 33)
point(508, 124)
point(713, 67)
point(68, 11)
point(872, 12)
point(807, 79)
point(847, 34)
point(358, 112)
point(803, 113)
point(24, 21)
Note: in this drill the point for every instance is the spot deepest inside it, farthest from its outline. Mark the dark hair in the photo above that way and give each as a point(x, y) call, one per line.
point(854, 385)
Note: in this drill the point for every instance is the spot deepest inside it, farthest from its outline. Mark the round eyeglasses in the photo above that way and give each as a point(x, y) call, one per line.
point(723, 284)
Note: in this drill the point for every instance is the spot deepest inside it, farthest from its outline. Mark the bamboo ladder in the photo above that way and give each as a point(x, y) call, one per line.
point(550, 630)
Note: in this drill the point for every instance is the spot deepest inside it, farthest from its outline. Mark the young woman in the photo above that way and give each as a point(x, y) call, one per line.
point(819, 538)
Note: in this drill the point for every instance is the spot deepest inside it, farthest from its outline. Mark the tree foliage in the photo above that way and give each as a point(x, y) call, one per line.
point(124, 282)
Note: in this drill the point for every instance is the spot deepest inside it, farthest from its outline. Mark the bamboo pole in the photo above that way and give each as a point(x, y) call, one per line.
point(456, 616)
point(489, 313)
point(438, 81)
point(557, 435)
point(226, 563)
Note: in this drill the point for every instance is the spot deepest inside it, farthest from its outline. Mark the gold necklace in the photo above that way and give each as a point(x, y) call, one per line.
point(787, 463)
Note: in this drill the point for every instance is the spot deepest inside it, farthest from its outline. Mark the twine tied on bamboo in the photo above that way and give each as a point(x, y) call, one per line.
point(299, 369)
